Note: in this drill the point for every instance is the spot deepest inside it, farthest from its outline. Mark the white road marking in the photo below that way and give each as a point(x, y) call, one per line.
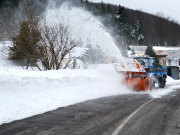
point(118, 129)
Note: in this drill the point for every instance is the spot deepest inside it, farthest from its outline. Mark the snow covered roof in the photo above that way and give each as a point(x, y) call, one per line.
point(172, 54)
point(138, 48)
point(165, 48)
point(140, 52)
point(168, 52)
point(160, 53)
point(143, 48)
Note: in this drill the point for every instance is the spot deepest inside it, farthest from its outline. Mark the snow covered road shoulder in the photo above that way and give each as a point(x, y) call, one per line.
point(27, 93)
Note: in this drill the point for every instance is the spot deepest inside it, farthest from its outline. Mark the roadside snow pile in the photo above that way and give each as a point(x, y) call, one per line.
point(27, 93)
point(171, 81)
point(171, 85)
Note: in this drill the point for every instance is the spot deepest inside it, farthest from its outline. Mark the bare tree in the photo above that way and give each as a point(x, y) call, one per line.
point(56, 46)
point(38, 42)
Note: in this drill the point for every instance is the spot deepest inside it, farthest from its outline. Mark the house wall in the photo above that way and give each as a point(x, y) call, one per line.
point(172, 62)
point(162, 61)
point(174, 69)
point(173, 72)
point(178, 63)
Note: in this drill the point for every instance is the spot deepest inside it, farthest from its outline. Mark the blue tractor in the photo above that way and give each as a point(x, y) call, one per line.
point(156, 73)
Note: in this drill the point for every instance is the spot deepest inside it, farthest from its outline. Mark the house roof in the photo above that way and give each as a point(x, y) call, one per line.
point(161, 53)
point(172, 54)
point(158, 53)
point(138, 48)
point(168, 52)
point(165, 48)
point(143, 48)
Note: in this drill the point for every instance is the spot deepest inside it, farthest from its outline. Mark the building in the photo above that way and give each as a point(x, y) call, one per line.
point(140, 50)
point(173, 63)
point(168, 56)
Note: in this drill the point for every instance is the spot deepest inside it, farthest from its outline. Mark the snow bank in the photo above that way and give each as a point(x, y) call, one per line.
point(171, 85)
point(27, 93)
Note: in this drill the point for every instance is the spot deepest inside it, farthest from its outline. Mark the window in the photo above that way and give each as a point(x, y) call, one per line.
point(151, 62)
point(142, 61)
point(169, 62)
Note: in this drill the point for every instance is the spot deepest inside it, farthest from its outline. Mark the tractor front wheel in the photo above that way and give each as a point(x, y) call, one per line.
point(146, 84)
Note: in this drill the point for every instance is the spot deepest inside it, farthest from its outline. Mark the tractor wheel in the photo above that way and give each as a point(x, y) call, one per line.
point(146, 84)
point(152, 82)
point(162, 82)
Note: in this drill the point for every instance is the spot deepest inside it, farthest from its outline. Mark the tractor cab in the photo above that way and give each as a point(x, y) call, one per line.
point(151, 67)
point(147, 62)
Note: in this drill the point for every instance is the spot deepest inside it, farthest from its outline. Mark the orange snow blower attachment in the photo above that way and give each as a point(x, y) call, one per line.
point(135, 76)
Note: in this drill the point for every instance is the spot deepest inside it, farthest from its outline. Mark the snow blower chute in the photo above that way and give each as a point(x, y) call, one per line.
point(135, 76)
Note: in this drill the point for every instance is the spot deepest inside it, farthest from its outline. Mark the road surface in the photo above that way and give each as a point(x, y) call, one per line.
point(134, 114)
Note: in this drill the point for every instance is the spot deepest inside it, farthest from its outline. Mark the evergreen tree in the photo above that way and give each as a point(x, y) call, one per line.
point(138, 31)
point(132, 35)
point(123, 25)
point(9, 3)
point(121, 19)
point(138, 26)
point(109, 11)
point(82, 3)
point(1, 3)
point(87, 3)
point(141, 39)
point(25, 44)
point(151, 53)
point(102, 8)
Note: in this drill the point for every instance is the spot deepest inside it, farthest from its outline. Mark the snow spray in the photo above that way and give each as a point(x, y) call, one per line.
point(84, 26)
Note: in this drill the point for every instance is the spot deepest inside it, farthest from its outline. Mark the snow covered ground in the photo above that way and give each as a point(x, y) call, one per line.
point(25, 93)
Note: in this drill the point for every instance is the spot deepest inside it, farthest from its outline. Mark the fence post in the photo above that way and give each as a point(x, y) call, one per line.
point(74, 63)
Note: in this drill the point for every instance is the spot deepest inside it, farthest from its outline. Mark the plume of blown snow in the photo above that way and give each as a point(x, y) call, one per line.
point(84, 26)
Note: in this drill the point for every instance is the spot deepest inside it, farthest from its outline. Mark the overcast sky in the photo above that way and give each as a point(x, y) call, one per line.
point(168, 7)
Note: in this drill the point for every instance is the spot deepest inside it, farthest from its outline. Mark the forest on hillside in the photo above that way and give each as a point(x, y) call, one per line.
point(127, 26)
point(137, 27)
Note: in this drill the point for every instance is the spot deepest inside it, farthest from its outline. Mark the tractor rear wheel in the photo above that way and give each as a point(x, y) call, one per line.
point(162, 82)
point(152, 82)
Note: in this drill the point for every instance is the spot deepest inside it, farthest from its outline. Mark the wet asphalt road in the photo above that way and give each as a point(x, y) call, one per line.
point(103, 116)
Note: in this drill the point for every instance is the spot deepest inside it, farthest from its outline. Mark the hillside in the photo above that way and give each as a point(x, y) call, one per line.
point(157, 29)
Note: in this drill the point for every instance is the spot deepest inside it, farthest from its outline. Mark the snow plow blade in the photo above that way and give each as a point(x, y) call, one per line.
point(135, 76)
